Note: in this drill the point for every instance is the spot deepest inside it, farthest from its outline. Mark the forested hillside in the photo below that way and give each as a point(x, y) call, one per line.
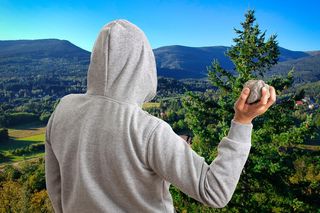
point(306, 69)
point(282, 173)
point(54, 57)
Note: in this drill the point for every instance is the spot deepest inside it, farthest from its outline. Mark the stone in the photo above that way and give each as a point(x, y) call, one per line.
point(255, 90)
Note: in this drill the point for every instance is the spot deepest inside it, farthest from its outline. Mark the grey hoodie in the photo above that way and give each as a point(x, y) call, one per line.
point(105, 154)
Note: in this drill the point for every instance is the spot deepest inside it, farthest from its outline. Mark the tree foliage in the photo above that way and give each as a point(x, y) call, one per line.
point(4, 136)
point(23, 189)
point(270, 181)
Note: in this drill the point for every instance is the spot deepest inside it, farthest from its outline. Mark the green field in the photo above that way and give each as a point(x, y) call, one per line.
point(21, 137)
point(26, 130)
point(149, 105)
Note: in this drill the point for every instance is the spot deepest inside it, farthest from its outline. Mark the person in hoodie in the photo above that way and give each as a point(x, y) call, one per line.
point(103, 153)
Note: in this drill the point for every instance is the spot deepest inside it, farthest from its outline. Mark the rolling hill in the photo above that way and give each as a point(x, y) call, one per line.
point(185, 62)
point(41, 48)
point(43, 56)
point(188, 62)
point(54, 56)
point(307, 69)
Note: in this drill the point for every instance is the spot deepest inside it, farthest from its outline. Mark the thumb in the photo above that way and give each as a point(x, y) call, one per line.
point(243, 97)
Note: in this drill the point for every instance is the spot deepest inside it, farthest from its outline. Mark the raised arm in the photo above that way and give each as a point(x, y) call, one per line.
point(213, 185)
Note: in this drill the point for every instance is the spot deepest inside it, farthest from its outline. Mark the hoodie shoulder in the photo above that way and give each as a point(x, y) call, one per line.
point(148, 122)
point(151, 118)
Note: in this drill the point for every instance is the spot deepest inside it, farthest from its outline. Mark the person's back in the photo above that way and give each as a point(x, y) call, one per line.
point(101, 145)
point(105, 154)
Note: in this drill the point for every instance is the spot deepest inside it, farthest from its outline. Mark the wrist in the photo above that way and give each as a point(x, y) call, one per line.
point(240, 132)
point(242, 120)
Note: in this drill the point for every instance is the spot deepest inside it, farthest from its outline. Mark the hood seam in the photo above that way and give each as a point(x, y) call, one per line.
point(106, 50)
point(112, 99)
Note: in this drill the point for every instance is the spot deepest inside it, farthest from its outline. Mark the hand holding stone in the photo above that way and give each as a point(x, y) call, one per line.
point(255, 87)
point(245, 113)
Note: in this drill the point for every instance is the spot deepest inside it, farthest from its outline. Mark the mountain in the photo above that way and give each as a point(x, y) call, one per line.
point(41, 48)
point(188, 62)
point(54, 56)
point(306, 69)
point(191, 62)
point(313, 53)
point(43, 56)
point(286, 55)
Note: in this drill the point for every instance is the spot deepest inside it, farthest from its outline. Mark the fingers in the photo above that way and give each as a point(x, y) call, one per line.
point(243, 98)
point(265, 101)
point(264, 97)
point(272, 98)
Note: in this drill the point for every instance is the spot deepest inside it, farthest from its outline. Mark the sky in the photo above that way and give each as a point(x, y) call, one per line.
point(165, 22)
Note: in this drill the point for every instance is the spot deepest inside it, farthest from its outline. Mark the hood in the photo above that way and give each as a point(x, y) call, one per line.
point(122, 64)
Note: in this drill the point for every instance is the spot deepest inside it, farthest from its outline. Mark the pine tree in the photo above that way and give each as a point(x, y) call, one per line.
point(268, 182)
point(251, 56)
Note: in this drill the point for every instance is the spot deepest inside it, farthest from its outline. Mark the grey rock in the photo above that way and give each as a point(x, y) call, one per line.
point(255, 90)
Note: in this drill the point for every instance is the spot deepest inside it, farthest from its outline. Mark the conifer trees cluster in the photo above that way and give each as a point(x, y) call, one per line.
point(280, 175)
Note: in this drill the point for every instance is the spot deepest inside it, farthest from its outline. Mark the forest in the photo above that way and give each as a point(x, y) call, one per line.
point(282, 173)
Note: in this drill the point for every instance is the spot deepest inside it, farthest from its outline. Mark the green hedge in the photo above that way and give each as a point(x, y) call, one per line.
point(28, 149)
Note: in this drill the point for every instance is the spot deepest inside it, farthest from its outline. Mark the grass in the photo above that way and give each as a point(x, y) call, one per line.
point(309, 147)
point(149, 105)
point(26, 130)
point(15, 143)
point(22, 136)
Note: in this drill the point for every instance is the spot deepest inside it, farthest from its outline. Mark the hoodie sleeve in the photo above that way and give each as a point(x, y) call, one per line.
point(175, 161)
point(52, 171)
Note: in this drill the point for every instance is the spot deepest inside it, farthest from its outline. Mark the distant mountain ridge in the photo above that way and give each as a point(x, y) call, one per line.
point(41, 48)
point(175, 61)
point(307, 69)
point(192, 61)
point(47, 57)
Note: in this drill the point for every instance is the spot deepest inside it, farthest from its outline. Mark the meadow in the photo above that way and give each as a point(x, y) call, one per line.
point(22, 137)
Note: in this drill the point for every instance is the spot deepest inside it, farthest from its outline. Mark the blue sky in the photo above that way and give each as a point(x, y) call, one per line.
point(165, 22)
